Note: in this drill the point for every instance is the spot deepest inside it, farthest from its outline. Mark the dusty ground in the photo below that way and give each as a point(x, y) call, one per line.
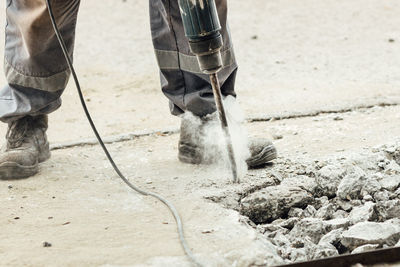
point(309, 55)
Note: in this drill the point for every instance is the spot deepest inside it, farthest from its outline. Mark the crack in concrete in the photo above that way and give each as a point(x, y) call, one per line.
point(165, 132)
point(113, 139)
point(319, 112)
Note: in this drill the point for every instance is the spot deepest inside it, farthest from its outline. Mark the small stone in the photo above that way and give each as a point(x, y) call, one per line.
point(382, 196)
point(280, 240)
point(340, 214)
point(320, 202)
point(278, 221)
point(312, 228)
point(273, 202)
point(368, 198)
point(10, 186)
point(371, 186)
point(337, 118)
point(309, 211)
point(390, 183)
point(16, 218)
point(337, 223)
point(344, 205)
point(47, 244)
point(397, 192)
point(277, 136)
point(297, 243)
point(393, 152)
point(295, 212)
point(371, 233)
point(326, 212)
point(296, 254)
point(328, 179)
point(391, 40)
point(365, 248)
point(333, 237)
point(392, 168)
point(289, 223)
point(268, 228)
point(388, 209)
point(271, 235)
point(323, 251)
point(356, 202)
point(363, 213)
point(351, 185)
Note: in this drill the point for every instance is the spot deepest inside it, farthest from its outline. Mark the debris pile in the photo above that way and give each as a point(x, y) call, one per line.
point(316, 209)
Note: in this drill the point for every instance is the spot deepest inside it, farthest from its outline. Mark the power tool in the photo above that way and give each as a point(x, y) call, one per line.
point(202, 28)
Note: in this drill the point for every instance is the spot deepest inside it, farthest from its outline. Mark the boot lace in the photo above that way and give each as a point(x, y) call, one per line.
point(16, 133)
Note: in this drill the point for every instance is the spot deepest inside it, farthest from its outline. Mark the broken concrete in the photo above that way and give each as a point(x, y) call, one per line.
point(312, 228)
point(388, 209)
point(390, 182)
point(387, 233)
point(363, 213)
point(333, 237)
point(361, 193)
point(328, 179)
point(324, 250)
point(273, 202)
point(327, 211)
point(337, 223)
point(351, 185)
point(393, 151)
point(365, 248)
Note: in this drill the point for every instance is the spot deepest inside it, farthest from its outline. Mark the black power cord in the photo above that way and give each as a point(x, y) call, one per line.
point(126, 181)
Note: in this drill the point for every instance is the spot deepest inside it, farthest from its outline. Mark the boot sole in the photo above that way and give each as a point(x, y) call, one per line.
point(12, 170)
point(268, 154)
point(189, 154)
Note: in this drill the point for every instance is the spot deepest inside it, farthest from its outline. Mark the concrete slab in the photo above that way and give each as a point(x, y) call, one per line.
point(294, 57)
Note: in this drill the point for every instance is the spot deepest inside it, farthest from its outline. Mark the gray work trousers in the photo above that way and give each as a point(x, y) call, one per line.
point(37, 72)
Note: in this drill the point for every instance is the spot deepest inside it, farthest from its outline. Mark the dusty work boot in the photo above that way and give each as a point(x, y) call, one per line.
point(192, 146)
point(26, 147)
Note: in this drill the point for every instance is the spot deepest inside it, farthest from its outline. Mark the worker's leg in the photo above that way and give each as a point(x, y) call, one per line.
point(34, 65)
point(181, 80)
point(36, 74)
point(188, 89)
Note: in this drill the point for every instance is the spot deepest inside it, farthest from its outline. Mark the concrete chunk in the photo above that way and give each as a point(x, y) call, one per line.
point(312, 228)
point(273, 202)
point(363, 213)
point(351, 185)
point(387, 233)
point(365, 248)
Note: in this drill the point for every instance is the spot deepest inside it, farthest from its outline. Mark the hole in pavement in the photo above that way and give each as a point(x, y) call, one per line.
point(311, 209)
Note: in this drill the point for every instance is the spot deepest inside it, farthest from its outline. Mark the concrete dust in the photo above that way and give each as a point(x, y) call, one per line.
point(208, 134)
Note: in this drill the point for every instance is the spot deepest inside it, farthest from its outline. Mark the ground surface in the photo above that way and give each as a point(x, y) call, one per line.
point(308, 56)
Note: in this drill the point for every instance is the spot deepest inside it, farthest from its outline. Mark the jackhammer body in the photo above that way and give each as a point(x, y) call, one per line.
point(202, 28)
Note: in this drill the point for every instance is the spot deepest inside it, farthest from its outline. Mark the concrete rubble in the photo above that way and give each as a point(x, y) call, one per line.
point(349, 203)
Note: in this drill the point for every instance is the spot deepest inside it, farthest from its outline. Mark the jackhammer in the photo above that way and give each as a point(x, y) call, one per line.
point(202, 28)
